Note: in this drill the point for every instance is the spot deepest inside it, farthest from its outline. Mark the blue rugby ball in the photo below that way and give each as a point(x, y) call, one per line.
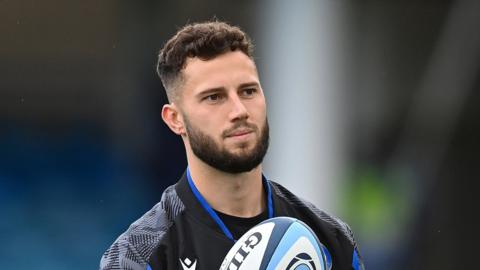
point(280, 243)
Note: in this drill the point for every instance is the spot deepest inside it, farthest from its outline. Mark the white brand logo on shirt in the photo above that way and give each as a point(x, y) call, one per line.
point(187, 264)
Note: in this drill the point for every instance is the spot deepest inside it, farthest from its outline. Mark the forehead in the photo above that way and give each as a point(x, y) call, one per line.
point(226, 70)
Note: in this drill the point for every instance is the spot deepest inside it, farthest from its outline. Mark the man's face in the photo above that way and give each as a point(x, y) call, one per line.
point(224, 112)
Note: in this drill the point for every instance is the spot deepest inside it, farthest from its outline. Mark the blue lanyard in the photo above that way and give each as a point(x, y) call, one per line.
point(214, 215)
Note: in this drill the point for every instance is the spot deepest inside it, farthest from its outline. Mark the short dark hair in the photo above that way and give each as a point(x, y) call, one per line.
point(204, 40)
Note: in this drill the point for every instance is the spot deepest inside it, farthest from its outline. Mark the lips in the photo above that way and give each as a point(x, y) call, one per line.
point(241, 132)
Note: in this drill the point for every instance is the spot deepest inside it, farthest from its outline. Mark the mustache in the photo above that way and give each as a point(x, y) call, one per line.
point(237, 126)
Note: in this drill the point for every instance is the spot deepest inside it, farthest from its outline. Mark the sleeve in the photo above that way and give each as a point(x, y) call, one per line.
point(123, 255)
point(357, 260)
point(132, 249)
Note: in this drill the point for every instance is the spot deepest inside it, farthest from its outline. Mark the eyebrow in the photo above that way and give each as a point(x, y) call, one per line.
point(210, 91)
point(221, 88)
point(249, 84)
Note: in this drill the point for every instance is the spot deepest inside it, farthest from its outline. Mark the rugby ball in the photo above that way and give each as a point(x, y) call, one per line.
point(280, 243)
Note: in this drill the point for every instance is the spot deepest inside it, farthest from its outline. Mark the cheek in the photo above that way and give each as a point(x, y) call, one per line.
point(209, 125)
point(260, 109)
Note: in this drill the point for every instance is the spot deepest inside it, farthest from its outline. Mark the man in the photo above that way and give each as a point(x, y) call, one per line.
point(217, 106)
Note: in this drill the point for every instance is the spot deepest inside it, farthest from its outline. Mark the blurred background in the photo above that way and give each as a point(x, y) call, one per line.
point(373, 107)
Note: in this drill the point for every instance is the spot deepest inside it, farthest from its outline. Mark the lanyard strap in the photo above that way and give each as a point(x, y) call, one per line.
point(214, 215)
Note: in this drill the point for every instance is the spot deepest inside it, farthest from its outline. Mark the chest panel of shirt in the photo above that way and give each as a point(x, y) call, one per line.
point(190, 240)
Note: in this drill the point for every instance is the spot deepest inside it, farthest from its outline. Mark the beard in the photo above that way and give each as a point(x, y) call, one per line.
point(210, 152)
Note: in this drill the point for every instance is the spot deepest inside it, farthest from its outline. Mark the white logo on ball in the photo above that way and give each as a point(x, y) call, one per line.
point(247, 253)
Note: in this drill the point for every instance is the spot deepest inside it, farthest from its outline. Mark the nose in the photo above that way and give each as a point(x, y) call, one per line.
point(238, 111)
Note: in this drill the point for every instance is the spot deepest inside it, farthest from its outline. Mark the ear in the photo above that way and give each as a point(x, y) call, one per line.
point(172, 117)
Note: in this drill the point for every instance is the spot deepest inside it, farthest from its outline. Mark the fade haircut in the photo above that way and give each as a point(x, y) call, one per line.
point(206, 41)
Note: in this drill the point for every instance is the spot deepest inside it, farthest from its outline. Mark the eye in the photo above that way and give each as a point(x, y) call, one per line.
point(213, 97)
point(249, 91)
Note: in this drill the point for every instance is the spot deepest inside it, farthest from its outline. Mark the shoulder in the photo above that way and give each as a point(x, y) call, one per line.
point(132, 249)
point(335, 224)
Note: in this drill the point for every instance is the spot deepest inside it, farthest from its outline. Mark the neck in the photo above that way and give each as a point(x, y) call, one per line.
point(240, 195)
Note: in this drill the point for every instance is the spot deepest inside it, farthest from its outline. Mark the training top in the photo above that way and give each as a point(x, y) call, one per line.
point(178, 233)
